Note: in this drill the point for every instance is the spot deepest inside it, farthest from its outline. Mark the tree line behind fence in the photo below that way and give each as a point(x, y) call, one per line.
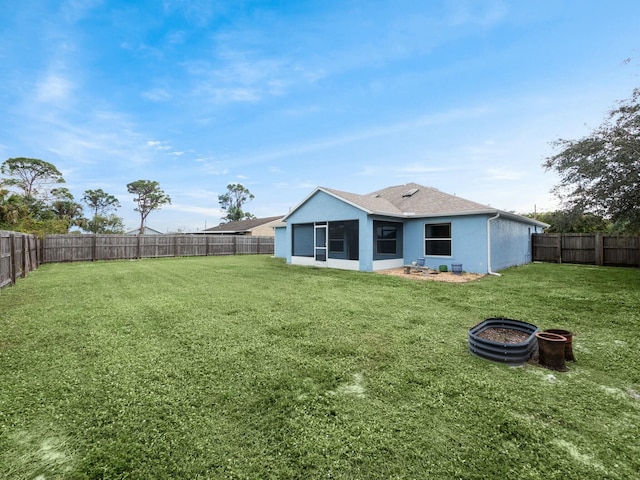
point(21, 253)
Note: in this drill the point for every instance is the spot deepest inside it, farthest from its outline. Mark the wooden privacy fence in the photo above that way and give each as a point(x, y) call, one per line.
point(587, 248)
point(76, 248)
point(18, 256)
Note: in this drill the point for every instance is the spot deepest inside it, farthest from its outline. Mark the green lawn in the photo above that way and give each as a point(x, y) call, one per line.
point(244, 367)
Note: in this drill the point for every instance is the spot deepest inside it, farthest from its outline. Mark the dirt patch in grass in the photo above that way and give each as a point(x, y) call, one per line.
point(449, 277)
point(504, 335)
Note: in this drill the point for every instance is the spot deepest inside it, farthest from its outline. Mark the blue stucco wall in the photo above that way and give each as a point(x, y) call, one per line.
point(281, 246)
point(510, 243)
point(322, 207)
point(468, 242)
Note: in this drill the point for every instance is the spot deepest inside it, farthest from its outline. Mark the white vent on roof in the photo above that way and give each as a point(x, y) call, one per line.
point(408, 193)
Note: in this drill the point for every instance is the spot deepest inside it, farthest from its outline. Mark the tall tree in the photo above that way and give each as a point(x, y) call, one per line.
point(105, 224)
point(600, 173)
point(65, 208)
point(100, 204)
point(149, 197)
point(12, 209)
point(31, 176)
point(232, 201)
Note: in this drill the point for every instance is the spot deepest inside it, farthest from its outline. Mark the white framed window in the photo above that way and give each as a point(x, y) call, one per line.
point(437, 239)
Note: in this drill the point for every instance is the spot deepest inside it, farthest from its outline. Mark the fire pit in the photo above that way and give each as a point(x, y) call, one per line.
point(503, 340)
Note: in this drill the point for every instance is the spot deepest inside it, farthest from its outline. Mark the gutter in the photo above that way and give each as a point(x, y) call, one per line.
point(489, 271)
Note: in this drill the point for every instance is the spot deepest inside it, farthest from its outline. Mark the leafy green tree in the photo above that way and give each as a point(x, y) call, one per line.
point(31, 176)
point(600, 173)
point(571, 221)
point(111, 224)
point(65, 208)
point(12, 209)
point(149, 197)
point(30, 200)
point(100, 204)
point(232, 201)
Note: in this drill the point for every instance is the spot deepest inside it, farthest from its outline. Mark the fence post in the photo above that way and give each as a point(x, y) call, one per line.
point(206, 249)
point(599, 246)
point(559, 247)
point(175, 245)
point(23, 256)
point(235, 245)
point(12, 254)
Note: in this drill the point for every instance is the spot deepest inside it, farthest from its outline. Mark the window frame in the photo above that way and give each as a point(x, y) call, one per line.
point(432, 239)
point(378, 241)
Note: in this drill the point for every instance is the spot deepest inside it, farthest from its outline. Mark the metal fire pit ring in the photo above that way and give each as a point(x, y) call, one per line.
point(509, 353)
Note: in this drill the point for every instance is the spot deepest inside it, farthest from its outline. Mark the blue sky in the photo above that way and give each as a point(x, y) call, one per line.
point(283, 96)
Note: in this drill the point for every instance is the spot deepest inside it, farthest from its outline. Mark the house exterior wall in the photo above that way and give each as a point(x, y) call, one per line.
point(322, 207)
point(510, 243)
point(265, 230)
point(468, 242)
point(281, 246)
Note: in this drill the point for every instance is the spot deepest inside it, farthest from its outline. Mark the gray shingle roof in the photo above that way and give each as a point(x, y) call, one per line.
point(415, 200)
point(242, 225)
point(412, 199)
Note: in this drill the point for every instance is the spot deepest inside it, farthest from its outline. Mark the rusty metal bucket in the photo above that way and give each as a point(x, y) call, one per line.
point(551, 350)
point(568, 346)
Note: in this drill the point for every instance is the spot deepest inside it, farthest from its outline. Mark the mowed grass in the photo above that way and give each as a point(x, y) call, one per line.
point(244, 367)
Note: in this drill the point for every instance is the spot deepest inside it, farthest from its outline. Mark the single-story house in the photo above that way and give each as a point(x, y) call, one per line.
point(255, 227)
point(397, 225)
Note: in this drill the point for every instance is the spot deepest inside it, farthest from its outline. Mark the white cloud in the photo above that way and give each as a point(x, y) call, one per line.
point(157, 95)
point(54, 88)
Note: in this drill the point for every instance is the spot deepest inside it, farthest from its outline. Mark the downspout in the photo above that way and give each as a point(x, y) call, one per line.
point(489, 271)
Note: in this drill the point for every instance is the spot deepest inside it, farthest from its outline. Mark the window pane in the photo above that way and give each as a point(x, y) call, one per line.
point(442, 230)
point(438, 247)
point(321, 237)
point(386, 246)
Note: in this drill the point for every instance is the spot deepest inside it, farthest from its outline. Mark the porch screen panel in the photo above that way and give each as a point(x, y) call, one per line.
point(302, 241)
point(344, 240)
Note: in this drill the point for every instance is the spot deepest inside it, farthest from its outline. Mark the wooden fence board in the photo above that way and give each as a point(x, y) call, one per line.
point(18, 256)
point(74, 248)
point(585, 248)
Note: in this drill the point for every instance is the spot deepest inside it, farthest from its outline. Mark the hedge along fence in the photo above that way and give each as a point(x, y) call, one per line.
point(19, 255)
point(586, 248)
point(77, 248)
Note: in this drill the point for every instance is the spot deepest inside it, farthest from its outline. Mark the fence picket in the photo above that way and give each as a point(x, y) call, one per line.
point(586, 248)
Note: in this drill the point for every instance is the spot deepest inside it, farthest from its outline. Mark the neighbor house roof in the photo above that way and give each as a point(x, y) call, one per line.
point(147, 231)
point(413, 200)
point(242, 226)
